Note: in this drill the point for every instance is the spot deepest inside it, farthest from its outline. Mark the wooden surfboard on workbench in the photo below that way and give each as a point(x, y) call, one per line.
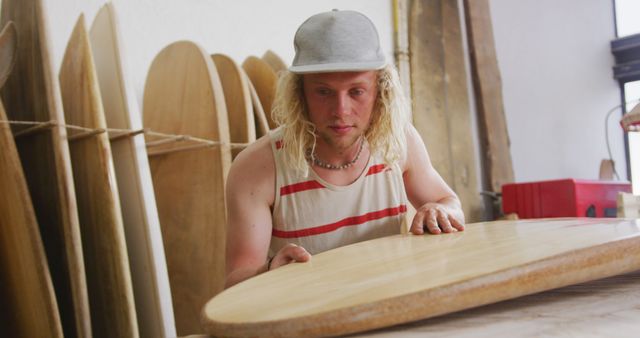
point(32, 94)
point(183, 96)
point(113, 312)
point(29, 307)
point(139, 213)
point(404, 278)
point(237, 97)
point(264, 80)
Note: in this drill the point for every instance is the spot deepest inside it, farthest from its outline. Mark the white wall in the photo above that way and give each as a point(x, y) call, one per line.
point(553, 55)
point(238, 28)
point(555, 61)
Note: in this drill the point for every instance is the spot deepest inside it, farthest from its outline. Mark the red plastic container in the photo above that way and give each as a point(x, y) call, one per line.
point(562, 198)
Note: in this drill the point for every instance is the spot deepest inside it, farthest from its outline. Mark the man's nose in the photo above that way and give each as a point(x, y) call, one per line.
point(342, 104)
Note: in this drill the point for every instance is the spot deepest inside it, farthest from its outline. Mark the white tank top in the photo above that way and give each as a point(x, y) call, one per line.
point(317, 215)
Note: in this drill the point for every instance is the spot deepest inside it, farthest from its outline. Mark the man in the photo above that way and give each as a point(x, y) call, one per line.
point(341, 165)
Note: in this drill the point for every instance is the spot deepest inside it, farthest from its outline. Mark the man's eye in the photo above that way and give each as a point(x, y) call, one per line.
point(323, 92)
point(357, 92)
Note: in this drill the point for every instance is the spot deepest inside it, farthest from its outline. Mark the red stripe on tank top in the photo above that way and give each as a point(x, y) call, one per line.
point(377, 168)
point(349, 221)
point(301, 186)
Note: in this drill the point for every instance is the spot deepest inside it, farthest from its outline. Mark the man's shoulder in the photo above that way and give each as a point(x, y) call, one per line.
point(254, 163)
point(255, 153)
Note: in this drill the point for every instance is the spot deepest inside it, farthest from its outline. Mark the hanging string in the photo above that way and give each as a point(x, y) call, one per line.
point(163, 138)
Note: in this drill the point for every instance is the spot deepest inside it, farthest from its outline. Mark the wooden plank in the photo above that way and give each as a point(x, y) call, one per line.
point(401, 43)
point(183, 95)
point(441, 110)
point(29, 307)
point(603, 308)
point(32, 93)
point(628, 205)
point(108, 274)
point(139, 212)
point(264, 80)
point(404, 278)
point(242, 125)
point(487, 85)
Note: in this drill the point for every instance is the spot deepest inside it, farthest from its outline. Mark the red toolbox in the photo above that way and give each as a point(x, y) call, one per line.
point(562, 198)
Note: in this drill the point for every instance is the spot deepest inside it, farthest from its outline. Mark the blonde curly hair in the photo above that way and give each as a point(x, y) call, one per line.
point(385, 135)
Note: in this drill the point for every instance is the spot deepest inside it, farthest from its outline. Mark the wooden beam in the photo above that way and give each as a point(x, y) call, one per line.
point(487, 85)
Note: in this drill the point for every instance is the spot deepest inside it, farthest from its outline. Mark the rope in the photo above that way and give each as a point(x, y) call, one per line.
point(122, 133)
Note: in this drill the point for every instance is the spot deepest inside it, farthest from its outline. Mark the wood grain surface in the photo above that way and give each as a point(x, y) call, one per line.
point(139, 212)
point(183, 95)
point(8, 50)
point(260, 117)
point(274, 61)
point(32, 93)
point(264, 80)
point(603, 308)
point(441, 111)
point(111, 300)
point(487, 85)
point(29, 307)
point(405, 278)
point(242, 128)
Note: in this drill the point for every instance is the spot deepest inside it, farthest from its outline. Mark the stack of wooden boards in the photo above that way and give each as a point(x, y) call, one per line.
point(100, 237)
point(212, 98)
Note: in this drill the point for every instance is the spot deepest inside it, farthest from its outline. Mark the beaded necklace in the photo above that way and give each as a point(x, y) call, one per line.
point(323, 164)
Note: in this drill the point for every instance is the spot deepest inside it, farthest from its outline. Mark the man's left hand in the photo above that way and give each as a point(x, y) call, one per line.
point(436, 218)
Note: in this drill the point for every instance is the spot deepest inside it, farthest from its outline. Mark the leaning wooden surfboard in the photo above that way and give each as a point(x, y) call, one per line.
point(274, 61)
point(441, 110)
point(29, 307)
point(32, 94)
point(404, 278)
point(260, 118)
point(139, 213)
point(183, 96)
point(238, 101)
point(264, 80)
point(108, 275)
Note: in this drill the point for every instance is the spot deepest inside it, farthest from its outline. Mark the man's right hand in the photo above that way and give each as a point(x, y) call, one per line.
point(290, 253)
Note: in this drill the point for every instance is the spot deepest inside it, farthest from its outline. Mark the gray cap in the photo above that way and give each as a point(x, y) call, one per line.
point(337, 41)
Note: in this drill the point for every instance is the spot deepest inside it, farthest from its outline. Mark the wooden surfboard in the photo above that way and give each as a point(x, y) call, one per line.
point(139, 213)
point(29, 307)
point(238, 101)
point(260, 118)
point(264, 80)
point(183, 96)
point(32, 93)
point(404, 278)
point(8, 49)
point(108, 275)
point(607, 307)
point(274, 61)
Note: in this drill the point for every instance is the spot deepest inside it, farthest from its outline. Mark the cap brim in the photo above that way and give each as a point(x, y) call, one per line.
point(338, 67)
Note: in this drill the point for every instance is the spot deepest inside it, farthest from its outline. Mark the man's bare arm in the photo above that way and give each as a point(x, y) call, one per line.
point(250, 193)
point(437, 206)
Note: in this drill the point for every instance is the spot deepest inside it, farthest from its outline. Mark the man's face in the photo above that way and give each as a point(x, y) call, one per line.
point(340, 105)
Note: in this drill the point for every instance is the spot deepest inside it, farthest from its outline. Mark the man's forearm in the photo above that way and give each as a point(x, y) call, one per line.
point(241, 274)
